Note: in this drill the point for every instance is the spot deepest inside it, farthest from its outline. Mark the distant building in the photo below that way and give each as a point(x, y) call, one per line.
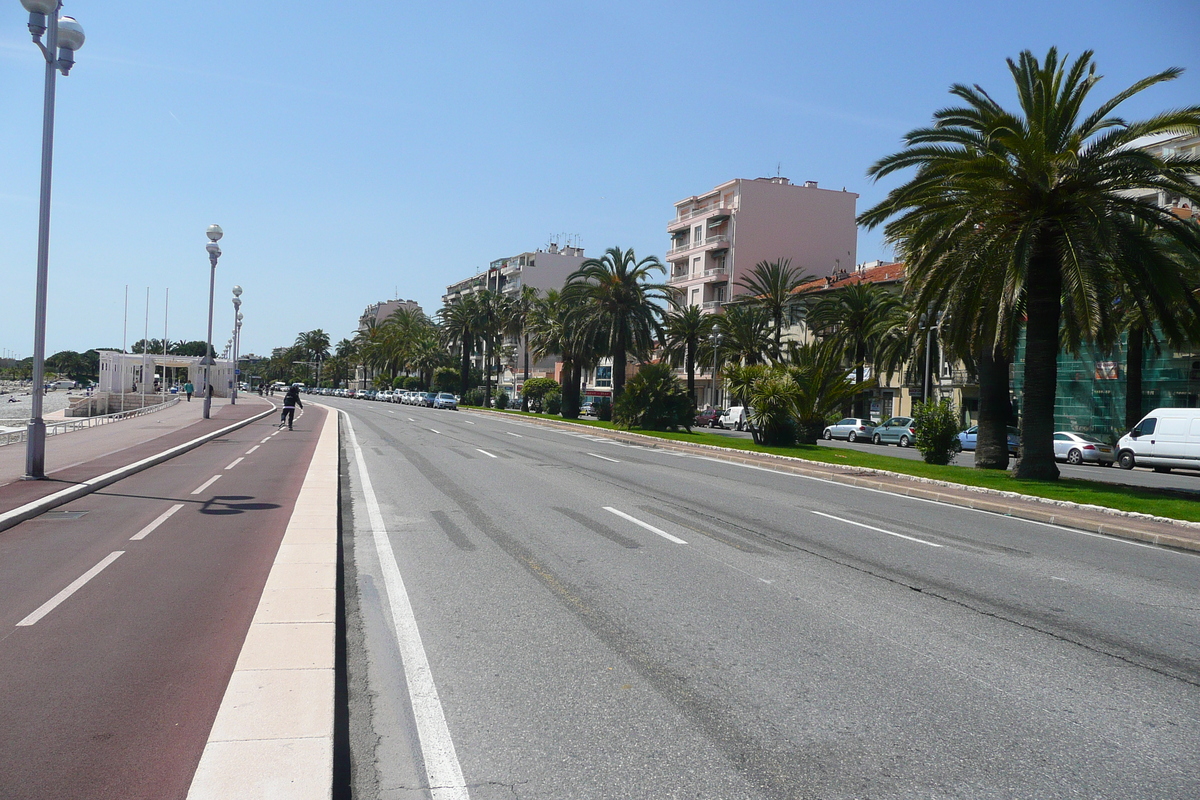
point(382, 310)
point(717, 237)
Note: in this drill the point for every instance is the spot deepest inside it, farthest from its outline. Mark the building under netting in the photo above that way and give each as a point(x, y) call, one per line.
point(1091, 386)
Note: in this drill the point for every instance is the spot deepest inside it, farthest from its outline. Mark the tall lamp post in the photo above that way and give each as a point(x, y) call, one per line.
point(237, 324)
point(714, 339)
point(214, 233)
point(63, 37)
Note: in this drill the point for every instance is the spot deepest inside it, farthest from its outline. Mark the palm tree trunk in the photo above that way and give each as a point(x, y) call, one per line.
point(1043, 309)
point(524, 399)
point(995, 409)
point(859, 399)
point(690, 364)
point(570, 390)
point(487, 371)
point(465, 371)
point(1134, 358)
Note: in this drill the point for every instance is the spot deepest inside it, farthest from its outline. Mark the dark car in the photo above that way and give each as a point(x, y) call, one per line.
point(708, 418)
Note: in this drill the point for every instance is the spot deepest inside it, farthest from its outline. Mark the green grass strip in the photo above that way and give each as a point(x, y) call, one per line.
point(1158, 502)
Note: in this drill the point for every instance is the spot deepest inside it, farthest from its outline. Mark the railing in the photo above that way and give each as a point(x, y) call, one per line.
point(696, 212)
point(718, 239)
point(712, 305)
point(711, 271)
point(66, 426)
point(679, 277)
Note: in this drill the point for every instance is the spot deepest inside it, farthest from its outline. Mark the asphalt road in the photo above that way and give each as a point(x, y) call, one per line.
point(1180, 480)
point(593, 620)
point(110, 691)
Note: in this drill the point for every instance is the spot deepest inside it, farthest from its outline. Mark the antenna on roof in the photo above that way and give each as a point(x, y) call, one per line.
point(778, 168)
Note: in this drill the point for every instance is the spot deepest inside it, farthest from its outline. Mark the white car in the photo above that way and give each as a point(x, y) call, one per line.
point(734, 417)
point(1078, 448)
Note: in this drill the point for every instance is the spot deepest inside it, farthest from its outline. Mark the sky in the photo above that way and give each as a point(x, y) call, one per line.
point(354, 156)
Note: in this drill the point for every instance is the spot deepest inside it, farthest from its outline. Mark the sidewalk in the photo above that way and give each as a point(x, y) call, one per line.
point(84, 455)
point(1093, 519)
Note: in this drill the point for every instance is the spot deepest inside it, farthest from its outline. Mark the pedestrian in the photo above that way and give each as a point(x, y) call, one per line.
point(187, 387)
point(291, 401)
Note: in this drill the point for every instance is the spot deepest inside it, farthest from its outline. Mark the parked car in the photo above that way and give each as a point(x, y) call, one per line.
point(427, 399)
point(708, 418)
point(1077, 448)
point(967, 439)
point(734, 417)
point(445, 400)
point(851, 429)
point(1165, 439)
point(900, 431)
point(587, 410)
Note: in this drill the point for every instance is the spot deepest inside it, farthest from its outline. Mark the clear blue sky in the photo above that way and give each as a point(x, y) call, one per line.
point(350, 156)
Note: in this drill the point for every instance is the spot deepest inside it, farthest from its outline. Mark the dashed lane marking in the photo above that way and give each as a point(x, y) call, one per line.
point(645, 525)
point(206, 484)
point(163, 517)
point(74, 587)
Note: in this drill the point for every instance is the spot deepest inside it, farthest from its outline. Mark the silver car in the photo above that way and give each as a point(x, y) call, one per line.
point(901, 431)
point(851, 429)
point(1080, 448)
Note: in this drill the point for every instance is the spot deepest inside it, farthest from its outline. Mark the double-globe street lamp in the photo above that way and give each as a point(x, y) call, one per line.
point(237, 327)
point(214, 233)
point(714, 339)
point(63, 37)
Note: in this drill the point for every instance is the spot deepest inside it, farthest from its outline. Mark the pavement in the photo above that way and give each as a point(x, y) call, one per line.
point(225, 615)
point(1161, 531)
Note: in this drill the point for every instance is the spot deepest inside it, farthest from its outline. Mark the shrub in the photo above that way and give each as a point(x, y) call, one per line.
point(536, 390)
point(655, 400)
point(445, 379)
point(473, 397)
point(937, 430)
point(502, 400)
point(603, 408)
point(773, 410)
point(553, 402)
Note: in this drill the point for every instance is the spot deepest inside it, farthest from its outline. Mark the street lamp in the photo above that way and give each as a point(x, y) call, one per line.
point(237, 316)
point(63, 37)
point(714, 339)
point(214, 233)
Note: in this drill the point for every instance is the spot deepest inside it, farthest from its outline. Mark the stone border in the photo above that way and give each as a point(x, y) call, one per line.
point(855, 476)
point(273, 734)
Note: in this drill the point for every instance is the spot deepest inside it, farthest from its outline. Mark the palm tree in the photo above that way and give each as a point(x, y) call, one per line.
point(460, 326)
point(857, 318)
point(314, 345)
point(745, 333)
point(1052, 195)
point(557, 326)
point(683, 331)
point(772, 285)
point(622, 305)
point(520, 308)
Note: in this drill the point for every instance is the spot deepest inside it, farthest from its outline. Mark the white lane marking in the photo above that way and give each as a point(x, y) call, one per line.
point(606, 458)
point(264, 441)
point(390, 411)
point(75, 586)
point(235, 462)
point(206, 484)
point(646, 525)
point(486, 453)
point(410, 419)
point(252, 449)
point(144, 532)
point(879, 530)
point(468, 422)
point(439, 433)
point(519, 436)
point(437, 748)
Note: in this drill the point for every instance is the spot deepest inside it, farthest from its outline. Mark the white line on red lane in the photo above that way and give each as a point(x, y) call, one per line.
point(264, 441)
point(235, 462)
point(206, 484)
point(252, 449)
point(878, 530)
point(75, 586)
point(646, 525)
point(144, 532)
point(606, 458)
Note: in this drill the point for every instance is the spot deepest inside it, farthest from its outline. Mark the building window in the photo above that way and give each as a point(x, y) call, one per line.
point(604, 377)
point(695, 296)
point(698, 235)
point(696, 268)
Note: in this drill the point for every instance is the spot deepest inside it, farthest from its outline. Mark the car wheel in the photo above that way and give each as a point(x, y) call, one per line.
point(828, 434)
point(1125, 460)
point(852, 437)
point(876, 440)
point(904, 441)
point(1074, 457)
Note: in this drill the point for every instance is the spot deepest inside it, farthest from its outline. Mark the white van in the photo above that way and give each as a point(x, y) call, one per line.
point(734, 417)
point(1166, 438)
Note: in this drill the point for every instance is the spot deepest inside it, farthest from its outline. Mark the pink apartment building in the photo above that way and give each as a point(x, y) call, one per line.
point(717, 237)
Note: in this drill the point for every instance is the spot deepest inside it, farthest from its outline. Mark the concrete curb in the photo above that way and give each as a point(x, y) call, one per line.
point(1057, 512)
point(32, 509)
point(273, 734)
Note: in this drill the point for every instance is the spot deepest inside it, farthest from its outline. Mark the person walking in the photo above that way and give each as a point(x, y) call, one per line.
point(187, 387)
point(291, 401)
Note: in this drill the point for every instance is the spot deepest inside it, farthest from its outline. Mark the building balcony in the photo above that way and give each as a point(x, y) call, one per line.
point(718, 242)
point(686, 218)
point(715, 274)
point(711, 305)
point(679, 277)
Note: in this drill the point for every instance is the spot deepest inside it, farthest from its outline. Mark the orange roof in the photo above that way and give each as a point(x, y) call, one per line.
point(882, 273)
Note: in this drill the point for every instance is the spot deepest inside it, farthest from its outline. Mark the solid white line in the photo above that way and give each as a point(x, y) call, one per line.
point(75, 586)
point(252, 449)
point(206, 484)
point(486, 453)
point(235, 462)
point(144, 532)
point(437, 748)
point(606, 458)
point(880, 530)
point(646, 525)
